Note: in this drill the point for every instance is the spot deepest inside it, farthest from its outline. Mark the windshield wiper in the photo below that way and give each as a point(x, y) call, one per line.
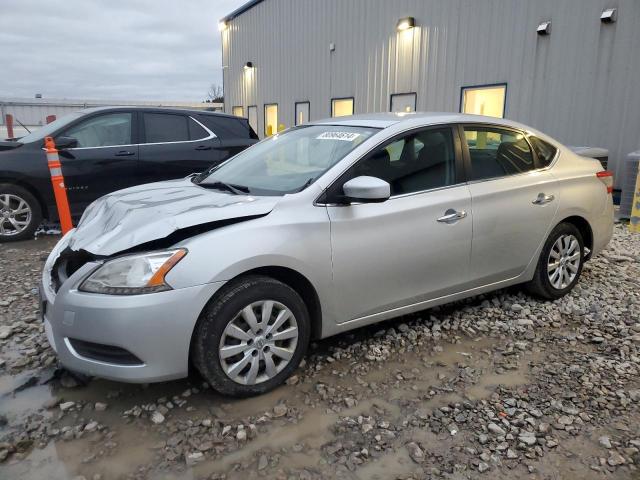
point(227, 187)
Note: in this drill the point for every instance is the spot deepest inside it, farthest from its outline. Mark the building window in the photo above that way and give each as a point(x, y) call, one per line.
point(341, 107)
point(403, 102)
point(302, 112)
point(270, 119)
point(497, 152)
point(238, 111)
point(253, 117)
point(486, 100)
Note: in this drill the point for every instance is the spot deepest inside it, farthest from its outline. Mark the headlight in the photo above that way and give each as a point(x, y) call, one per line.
point(134, 274)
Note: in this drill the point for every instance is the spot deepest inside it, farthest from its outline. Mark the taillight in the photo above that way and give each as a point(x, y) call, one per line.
point(606, 177)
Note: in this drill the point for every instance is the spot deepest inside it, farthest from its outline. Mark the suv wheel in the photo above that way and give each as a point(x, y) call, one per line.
point(251, 337)
point(560, 263)
point(20, 213)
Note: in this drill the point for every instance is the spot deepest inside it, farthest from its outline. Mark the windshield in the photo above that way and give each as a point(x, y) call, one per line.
point(49, 128)
point(286, 162)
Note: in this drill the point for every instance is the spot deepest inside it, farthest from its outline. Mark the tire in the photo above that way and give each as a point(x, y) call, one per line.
point(18, 226)
point(549, 283)
point(217, 332)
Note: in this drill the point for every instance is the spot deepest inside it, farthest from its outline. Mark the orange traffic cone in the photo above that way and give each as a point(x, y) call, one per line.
point(57, 181)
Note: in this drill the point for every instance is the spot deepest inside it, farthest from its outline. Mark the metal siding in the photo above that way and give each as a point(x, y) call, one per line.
point(577, 84)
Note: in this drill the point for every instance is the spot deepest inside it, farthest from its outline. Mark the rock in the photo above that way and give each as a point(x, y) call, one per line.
point(157, 417)
point(100, 407)
point(4, 453)
point(279, 410)
point(263, 462)
point(483, 467)
point(350, 402)
point(91, 426)
point(597, 339)
point(65, 406)
point(193, 458)
point(527, 438)
point(511, 454)
point(495, 429)
point(483, 439)
point(616, 459)
point(604, 441)
point(5, 332)
point(241, 435)
point(415, 452)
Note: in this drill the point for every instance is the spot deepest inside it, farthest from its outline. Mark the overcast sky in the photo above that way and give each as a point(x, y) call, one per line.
point(115, 49)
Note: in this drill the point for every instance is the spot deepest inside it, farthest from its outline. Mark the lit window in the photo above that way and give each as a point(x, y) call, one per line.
point(238, 111)
point(341, 107)
point(270, 119)
point(302, 112)
point(489, 100)
point(403, 102)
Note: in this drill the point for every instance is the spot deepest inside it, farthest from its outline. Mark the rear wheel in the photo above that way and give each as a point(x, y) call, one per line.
point(251, 337)
point(560, 263)
point(20, 213)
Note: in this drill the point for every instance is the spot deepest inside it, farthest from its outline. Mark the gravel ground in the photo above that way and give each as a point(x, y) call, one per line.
point(500, 386)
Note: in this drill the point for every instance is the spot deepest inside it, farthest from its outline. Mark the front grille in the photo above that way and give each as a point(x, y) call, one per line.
point(104, 353)
point(68, 263)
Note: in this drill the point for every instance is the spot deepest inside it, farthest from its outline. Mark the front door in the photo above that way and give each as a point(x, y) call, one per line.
point(105, 159)
point(514, 203)
point(416, 245)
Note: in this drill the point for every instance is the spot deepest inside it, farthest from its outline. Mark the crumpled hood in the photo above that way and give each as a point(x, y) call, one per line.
point(130, 217)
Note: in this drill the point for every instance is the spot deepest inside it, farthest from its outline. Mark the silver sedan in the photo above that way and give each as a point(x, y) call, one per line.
point(312, 232)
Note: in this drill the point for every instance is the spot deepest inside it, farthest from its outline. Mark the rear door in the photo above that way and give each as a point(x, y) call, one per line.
point(105, 159)
point(173, 145)
point(514, 202)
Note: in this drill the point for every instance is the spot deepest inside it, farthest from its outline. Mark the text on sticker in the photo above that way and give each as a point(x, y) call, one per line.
point(345, 136)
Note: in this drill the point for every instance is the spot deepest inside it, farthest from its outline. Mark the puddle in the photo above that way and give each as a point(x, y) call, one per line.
point(17, 400)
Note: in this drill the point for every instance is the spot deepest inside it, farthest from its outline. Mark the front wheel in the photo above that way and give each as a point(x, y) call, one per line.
point(251, 336)
point(560, 263)
point(20, 213)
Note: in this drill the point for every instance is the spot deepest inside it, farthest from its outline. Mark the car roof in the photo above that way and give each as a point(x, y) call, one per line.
point(192, 111)
point(384, 120)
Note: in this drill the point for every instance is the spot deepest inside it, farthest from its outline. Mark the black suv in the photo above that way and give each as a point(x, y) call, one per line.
point(107, 149)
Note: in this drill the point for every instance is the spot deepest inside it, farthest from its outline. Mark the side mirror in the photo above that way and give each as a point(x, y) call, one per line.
point(366, 190)
point(66, 142)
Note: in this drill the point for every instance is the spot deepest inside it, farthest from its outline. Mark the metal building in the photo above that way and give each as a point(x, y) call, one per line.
point(570, 68)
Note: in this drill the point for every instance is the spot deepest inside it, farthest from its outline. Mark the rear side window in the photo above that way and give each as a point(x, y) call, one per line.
point(227, 127)
point(544, 151)
point(496, 152)
point(162, 127)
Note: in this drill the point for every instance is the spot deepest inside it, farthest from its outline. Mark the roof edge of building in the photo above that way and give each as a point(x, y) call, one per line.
point(239, 11)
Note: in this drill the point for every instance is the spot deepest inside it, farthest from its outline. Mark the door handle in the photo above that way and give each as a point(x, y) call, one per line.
point(452, 216)
point(543, 198)
point(124, 153)
point(203, 147)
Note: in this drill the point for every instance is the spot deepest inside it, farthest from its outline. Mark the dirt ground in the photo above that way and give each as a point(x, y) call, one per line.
point(499, 386)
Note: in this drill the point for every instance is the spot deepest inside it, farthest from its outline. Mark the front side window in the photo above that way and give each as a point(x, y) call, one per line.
point(341, 107)
point(162, 127)
point(544, 151)
point(496, 152)
point(489, 100)
point(286, 162)
point(420, 161)
point(112, 129)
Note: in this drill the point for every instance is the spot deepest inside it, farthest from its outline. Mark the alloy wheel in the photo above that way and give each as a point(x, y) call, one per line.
point(258, 342)
point(15, 214)
point(564, 260)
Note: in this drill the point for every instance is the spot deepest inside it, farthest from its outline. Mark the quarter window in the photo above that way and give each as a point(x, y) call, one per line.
point(162, 127)
point(111, 129)
point(544, 151)
point(496, 152)
point(419, 161)
point(196, 132)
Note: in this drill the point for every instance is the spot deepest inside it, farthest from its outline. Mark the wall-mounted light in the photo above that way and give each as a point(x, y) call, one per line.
point(248, 65)
point(544, 28)
point(222, 25)
point(405, 24)
point(609, 15)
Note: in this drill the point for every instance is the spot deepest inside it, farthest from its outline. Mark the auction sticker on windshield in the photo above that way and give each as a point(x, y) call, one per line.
point(344, 136)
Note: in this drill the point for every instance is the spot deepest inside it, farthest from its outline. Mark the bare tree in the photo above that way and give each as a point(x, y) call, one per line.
point(215, 94)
